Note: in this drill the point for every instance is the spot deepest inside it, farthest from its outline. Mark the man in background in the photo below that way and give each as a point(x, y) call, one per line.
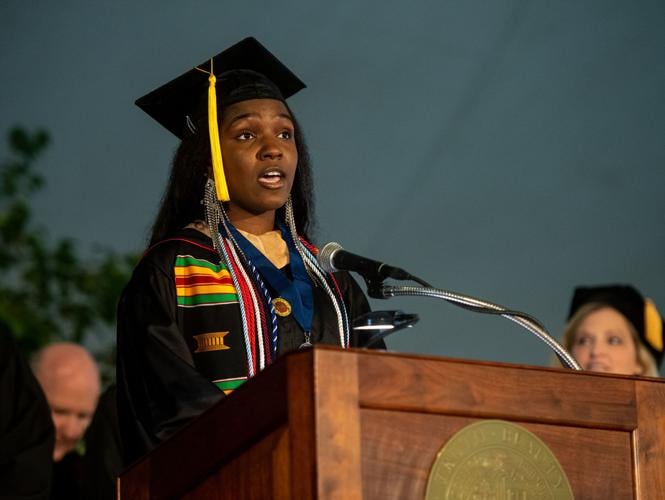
point(70, 380)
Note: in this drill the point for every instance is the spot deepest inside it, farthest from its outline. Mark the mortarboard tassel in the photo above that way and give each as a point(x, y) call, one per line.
point(653, 325)
point(215, 147)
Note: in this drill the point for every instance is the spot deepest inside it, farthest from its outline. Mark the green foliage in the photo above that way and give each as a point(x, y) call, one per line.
point(48, 292)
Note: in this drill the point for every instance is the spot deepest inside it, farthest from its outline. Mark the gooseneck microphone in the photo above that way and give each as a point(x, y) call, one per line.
point(333, 257)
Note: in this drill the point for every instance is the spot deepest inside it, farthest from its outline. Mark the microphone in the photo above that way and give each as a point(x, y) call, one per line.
point(333, 257)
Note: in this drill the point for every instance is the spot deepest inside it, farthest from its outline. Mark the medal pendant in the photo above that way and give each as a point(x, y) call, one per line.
point(282, 306)
point(307, 342)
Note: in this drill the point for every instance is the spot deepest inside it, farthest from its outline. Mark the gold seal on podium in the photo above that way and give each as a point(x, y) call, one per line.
point(498, 460)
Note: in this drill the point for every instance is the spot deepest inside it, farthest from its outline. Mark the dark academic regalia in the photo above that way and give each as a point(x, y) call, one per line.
point(26, 428)
point(92, 474)
point(168, 369)
point(67, 477)
point(102, 461)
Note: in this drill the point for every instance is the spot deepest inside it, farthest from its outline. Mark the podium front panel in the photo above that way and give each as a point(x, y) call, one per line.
point(351, 424)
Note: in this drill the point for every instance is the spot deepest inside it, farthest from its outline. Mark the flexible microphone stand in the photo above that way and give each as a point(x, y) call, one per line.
point(378, 290)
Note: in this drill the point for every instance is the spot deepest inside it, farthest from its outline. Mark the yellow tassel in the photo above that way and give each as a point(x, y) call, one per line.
point(653, 325)
point(215, 147)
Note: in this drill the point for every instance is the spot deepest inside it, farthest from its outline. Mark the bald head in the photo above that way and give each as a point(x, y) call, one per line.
point(69, 378)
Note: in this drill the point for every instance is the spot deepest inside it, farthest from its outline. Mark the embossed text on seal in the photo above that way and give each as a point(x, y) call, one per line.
point(495, 459)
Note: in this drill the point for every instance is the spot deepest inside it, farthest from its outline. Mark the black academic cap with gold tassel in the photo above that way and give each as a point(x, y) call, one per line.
point(246, 70)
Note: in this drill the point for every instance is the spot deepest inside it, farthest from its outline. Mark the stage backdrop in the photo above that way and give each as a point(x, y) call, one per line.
point(509, 150)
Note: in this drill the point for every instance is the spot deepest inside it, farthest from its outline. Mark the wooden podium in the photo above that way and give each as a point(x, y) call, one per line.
point(330, 423)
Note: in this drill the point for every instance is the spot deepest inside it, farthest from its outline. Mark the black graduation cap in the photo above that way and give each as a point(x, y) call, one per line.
point(246, 70)
point(640, 312)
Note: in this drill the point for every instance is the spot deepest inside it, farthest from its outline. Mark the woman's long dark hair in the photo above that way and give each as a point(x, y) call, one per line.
point(181, 203)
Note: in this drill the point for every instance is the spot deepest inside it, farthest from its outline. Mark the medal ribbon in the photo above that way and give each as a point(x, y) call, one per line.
point(298, 291)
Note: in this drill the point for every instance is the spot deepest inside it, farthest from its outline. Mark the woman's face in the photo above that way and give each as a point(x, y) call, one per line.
point(603, 342)
point(260, 156)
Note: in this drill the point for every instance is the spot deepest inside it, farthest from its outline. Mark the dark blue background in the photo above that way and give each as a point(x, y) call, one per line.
point(509, 150)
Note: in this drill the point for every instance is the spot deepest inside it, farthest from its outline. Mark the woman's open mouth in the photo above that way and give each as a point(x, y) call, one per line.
point(272, 178)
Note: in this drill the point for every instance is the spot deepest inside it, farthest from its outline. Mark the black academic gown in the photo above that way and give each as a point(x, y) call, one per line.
point(26, 428)
point(164, 379)
point(92, 475)
point(102, 461)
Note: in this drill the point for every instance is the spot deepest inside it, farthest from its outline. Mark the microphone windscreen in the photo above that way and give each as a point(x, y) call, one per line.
point(325, 257)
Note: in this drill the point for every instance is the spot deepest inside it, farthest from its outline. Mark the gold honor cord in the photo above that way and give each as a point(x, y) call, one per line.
point(221, 188)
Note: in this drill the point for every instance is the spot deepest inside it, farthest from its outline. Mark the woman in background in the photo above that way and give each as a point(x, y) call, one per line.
point(614, 329)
